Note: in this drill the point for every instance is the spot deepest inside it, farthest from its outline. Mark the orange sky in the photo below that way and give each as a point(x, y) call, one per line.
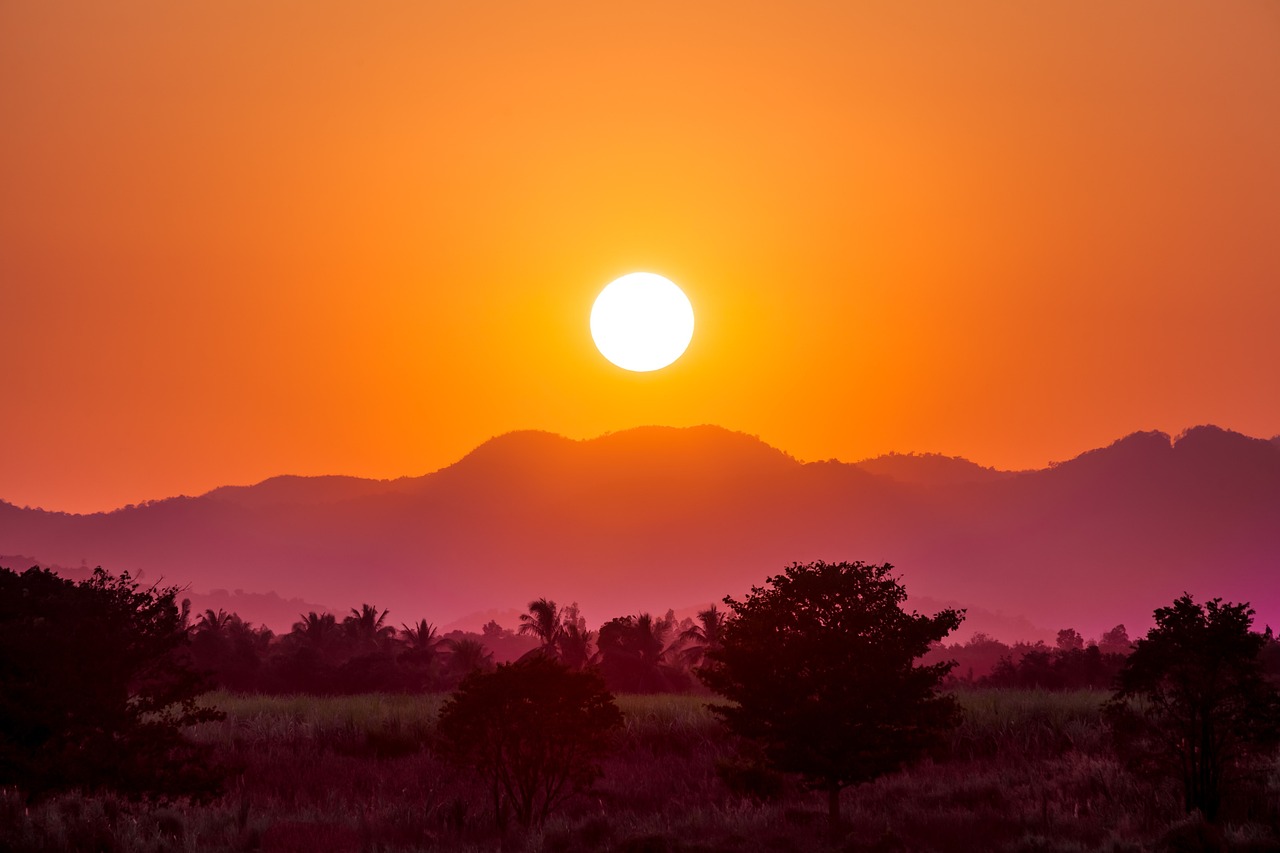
point(240, 239)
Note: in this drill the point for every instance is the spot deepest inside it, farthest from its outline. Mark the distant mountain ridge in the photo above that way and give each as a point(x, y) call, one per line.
point(659, 517)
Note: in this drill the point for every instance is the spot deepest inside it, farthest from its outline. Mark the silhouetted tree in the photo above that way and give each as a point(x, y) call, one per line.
point(534, 730)
point(420, 637)
point(316, 629)
point(1069, 640)
point(96, 688)
point(366, 626)
point(632, 655)
point(820, 664)
point(229, 649)
point(467, 656)
point(420, 658)
point(573, 646)
point(702, 637)
point(1115, 642)
point(975, 659)
point(212, 621)
point(1193, 702)
point(543, 622)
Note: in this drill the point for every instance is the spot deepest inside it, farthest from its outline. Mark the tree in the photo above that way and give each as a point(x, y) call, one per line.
point(229, 649)
point(468, 655)
point(573, 643)
point(97, 688)
point(420, 658)
point(420, 637)
point(316, 630)
point(534, 730)
point(1115, 642)
point(1069, 640)
point(702, 637)
point(366, 626)
point(820, 664)
point(1193, 701)
point(543, 622)
point(633, 655)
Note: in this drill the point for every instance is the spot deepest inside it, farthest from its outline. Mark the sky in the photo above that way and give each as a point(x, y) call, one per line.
point(241, 239)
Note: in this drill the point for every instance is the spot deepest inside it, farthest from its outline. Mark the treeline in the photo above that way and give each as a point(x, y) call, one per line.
point(365, 652)
point(1072, 663)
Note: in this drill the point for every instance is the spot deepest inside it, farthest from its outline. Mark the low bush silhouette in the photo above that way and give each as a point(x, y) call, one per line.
point(535, 731)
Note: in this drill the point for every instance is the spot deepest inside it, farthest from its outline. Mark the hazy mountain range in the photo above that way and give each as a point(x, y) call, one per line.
point(659, 517)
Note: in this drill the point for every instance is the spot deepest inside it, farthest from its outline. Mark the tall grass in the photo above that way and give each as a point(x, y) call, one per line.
point(1024, 771)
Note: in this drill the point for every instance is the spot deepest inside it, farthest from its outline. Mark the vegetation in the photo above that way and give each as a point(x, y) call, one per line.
point(534, 730)
point(1026, 770)
point(1194, 704)
point(821, 668)
point(97, 688)
point(541, 740)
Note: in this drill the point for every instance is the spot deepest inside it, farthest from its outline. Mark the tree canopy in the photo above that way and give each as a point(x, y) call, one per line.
point(1194, 703)
point(821, 666)
point(534, 730)
point(97, 688)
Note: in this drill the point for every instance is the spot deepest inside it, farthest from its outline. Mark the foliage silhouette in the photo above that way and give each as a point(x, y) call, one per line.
point(543, 622)
point(98, 688)
point(821, 666)
point(703, 637)
point(633, 655)
point(467, 655)
point(1043, 668)
point(534, 730)
point(1193, 702)
point(573, 645)
point(229, 649)
point(367, 626)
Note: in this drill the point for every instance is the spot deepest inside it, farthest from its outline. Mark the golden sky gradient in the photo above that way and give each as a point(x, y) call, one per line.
point(239, 239)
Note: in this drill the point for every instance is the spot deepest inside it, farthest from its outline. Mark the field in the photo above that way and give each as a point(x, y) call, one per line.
point(1026, 771)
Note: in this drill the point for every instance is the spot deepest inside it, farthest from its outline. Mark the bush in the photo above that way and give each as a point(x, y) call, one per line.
point(97, 690)
point(534, 730)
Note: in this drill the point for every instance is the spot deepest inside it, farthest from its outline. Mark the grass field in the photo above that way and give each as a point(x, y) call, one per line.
point(1025, 771)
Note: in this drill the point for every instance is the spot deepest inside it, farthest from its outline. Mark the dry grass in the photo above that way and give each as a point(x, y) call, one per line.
point(1026, 771)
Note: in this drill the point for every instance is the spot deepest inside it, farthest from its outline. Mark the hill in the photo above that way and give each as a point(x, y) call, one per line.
point(657, 517)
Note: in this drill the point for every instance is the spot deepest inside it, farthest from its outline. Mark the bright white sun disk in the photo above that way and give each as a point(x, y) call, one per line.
point(642, 322)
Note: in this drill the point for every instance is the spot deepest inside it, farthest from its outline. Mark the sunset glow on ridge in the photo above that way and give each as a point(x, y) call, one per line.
point(239, 240)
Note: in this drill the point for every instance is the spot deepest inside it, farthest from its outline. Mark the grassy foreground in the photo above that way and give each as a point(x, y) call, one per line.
point(1026, 771)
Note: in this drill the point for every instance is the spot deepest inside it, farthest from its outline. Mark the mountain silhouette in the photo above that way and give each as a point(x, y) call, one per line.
point(655, 517)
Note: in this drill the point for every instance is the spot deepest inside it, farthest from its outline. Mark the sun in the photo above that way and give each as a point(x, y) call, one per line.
point(642, 322)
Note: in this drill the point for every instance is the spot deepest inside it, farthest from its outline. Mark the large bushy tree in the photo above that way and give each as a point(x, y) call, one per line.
point(534, 730)
point(821, 665)
point(97, 688)
point(1194, 703)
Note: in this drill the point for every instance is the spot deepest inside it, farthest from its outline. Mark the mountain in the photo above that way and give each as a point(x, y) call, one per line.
point(929, 469)
point(658, 517)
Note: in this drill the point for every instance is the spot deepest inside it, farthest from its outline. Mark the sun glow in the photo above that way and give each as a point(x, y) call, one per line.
point(642, 322)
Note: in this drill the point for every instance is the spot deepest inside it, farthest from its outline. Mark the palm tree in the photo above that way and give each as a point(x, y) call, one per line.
point(467, 655)
point(542, 621)
point(574, 645)
point(420, 637)
point(316, 629)
point(633, 655)
point(703, 637)
point(651, 638)
point(213, 621)
point(366, 625)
